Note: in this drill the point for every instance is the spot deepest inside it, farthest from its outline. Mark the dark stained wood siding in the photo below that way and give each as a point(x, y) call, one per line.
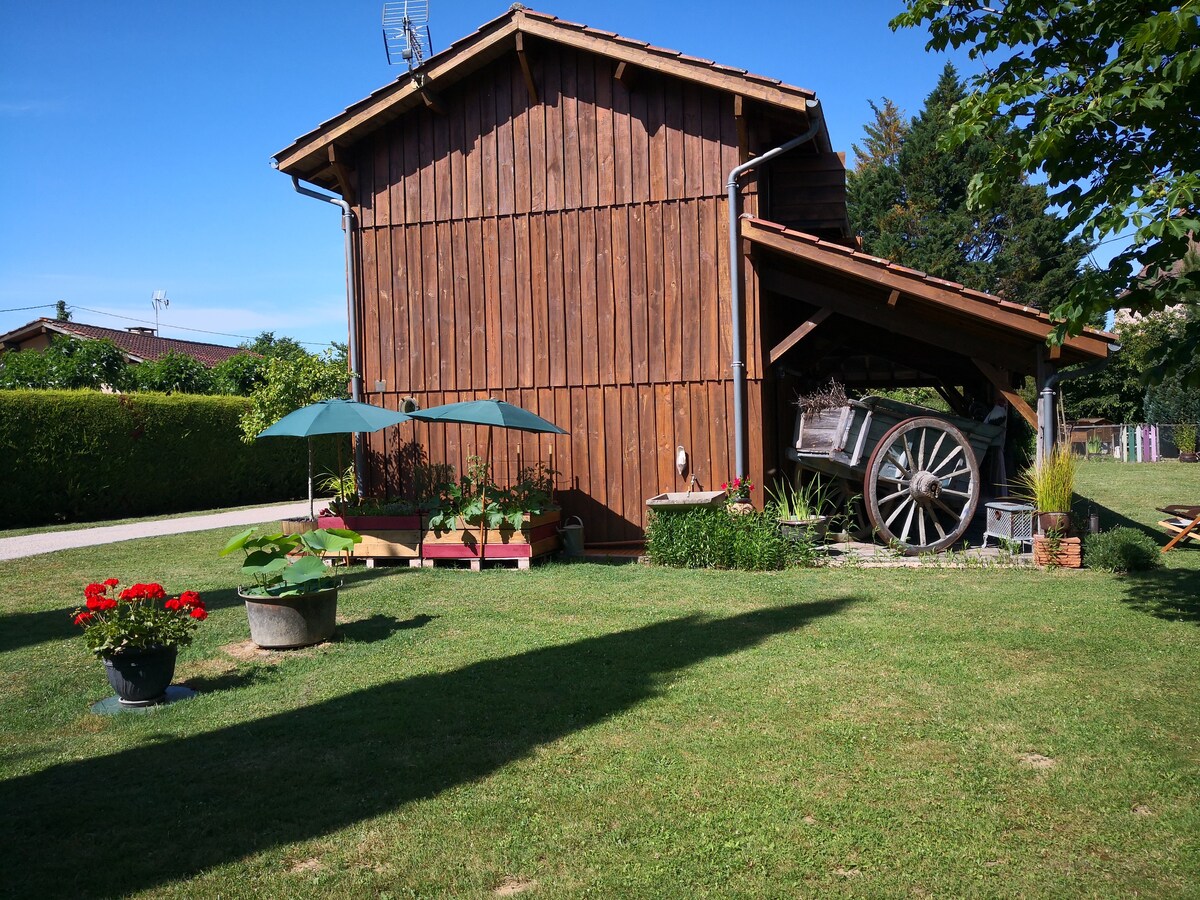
point(570, 257)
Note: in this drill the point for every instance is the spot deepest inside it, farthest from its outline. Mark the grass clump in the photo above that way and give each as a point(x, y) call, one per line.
point(1121, 550)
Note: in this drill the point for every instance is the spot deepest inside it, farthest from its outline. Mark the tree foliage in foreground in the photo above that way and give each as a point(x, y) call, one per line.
point(1100, 98)
point(290, 383)
point(908, 201)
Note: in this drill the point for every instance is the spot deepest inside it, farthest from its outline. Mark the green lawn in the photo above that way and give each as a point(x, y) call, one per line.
point(627, 731)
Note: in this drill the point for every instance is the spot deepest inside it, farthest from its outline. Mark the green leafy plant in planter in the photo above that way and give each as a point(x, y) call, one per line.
point(1185, 440)
point(478, 501)
point(343, 486)
point(293, 601)
point(801, 510)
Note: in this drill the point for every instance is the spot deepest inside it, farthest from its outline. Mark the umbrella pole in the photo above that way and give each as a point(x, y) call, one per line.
point(483, 524)
point(311, 514)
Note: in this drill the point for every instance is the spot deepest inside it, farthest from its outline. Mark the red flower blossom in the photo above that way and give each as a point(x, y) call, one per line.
point(92, 602)
point(154, 591)
point(199, 613)
point(93, 590)
point(83, 618)
point(173, 604)
point(105, 603)
point(112, 582)
point(189, 598)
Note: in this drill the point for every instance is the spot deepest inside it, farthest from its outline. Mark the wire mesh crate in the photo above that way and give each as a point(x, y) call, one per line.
point(1009, 520)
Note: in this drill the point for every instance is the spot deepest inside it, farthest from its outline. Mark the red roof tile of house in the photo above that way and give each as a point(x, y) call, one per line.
point(138, 346)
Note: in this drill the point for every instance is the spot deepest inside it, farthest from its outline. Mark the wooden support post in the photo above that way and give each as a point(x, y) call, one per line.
point(526, 69)
point(1000, 381)
point(800, 333)
point(343, 173)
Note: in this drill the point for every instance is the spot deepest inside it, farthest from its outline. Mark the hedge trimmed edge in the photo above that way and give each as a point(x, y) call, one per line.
point(85, 455)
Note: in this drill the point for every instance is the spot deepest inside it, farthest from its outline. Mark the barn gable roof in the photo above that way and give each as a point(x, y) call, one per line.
point(309, 156)
point(137, 347)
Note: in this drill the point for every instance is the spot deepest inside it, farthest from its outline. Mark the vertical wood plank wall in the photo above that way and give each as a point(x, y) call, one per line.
point(570, 257)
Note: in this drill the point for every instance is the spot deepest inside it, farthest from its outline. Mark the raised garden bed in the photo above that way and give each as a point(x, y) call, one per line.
point(383, 537)
point(537, 537)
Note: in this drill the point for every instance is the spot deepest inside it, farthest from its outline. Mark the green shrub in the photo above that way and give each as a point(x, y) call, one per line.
point(711, 538)
point(1121, 550)
point(81, 455)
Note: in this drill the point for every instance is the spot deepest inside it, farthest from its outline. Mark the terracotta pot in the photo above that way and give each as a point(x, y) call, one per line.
point(1188, 457)
point(1056, 522)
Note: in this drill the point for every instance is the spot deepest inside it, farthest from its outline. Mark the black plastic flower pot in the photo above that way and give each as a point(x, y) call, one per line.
point(141, 677)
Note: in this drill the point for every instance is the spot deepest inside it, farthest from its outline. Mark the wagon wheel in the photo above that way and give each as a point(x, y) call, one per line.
point(922, 485)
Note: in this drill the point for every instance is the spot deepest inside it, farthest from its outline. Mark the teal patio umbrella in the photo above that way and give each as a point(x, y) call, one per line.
point(331, 417)
point(492, 413)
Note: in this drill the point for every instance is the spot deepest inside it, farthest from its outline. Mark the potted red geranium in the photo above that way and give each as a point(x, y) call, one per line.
point(138, 633)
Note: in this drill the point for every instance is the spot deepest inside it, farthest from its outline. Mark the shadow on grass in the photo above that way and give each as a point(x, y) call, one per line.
point(380, 627)
point(232, 680)
point(153, 814)
point(1172, 594)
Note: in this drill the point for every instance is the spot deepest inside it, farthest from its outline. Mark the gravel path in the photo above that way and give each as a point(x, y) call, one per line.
point(49, 542)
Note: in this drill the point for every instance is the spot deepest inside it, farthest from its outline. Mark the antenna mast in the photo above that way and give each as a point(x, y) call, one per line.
point(160, 301)
point(406, 32)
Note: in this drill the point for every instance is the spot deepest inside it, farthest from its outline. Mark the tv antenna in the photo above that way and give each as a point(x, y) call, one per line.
point(160, 301)
point(406, 32)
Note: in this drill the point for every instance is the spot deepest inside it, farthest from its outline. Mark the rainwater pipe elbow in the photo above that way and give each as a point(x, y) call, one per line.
point(351, 307)
point(1045, 413)
point(737, 365)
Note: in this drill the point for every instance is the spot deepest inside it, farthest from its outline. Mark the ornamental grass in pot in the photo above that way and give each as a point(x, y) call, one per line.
point(802, 511)
point(293, 599)
point(1050, 487)
point(138, 632)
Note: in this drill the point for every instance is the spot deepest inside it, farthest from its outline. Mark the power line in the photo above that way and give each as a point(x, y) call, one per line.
point(244, 337)
point(23, 308)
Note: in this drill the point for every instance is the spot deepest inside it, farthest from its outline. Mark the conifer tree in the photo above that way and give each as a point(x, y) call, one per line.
point(909, 205)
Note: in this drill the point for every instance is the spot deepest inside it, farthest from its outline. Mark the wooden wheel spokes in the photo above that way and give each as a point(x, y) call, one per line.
point(922, 485)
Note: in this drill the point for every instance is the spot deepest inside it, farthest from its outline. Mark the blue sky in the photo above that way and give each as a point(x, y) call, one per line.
point(136, 138)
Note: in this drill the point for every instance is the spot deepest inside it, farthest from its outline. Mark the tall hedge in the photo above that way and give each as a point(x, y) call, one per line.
point(84, 455)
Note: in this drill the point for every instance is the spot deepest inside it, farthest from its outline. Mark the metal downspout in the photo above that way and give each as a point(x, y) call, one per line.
point(351, 308)
point(737, 365)
point(1046, 420)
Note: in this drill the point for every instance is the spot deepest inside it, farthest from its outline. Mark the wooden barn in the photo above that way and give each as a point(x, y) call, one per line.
point(541, 213)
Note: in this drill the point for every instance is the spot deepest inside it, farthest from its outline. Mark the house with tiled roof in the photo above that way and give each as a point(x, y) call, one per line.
point(139, 344)
point(648, 248)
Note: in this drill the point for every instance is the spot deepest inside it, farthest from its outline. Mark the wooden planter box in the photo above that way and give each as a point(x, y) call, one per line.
point(538, 536)
point(383, 537)
point(1068, 554)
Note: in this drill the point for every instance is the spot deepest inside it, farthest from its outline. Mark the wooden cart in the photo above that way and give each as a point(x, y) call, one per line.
point(918, 469)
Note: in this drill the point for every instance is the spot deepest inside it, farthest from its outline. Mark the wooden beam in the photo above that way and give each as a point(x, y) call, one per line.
point(343, 173)
point(526, 69)
point(893, 298)
point(743, 129)
point(626, 73)
point(954, 398)
point(800, 333)
point(1003, 384)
